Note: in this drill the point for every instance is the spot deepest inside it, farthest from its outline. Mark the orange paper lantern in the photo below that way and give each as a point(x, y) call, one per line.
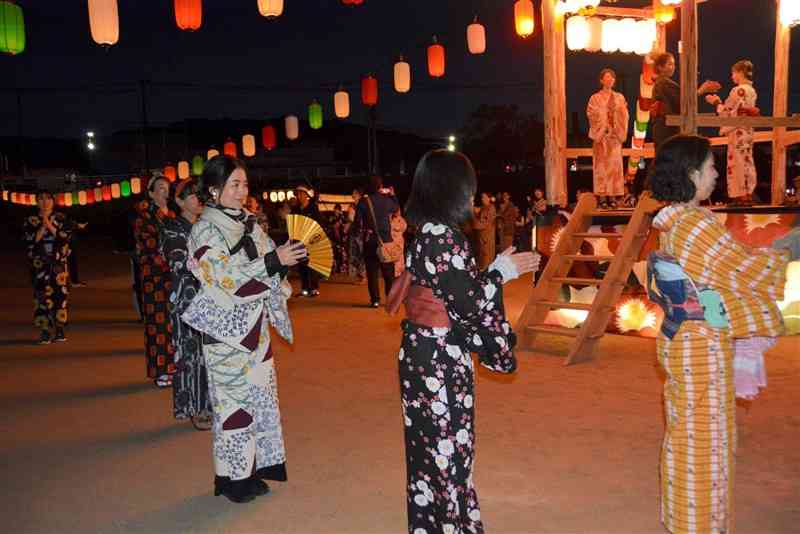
point(523, 18)
point(189, 14)
point(171, 173)
point(436, 59)
point(104, 21)
point(229, 148)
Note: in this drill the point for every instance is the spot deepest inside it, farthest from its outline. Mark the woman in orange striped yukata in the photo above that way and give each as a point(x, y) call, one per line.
point(714, 291)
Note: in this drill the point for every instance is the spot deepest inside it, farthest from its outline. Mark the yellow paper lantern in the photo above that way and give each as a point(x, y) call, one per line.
point(98, 194)
point(249, 145)
point(104, 21)
point(211, 153)
point(270, 8)
point(523, 18)
point(610, 40)
point(273, 197)
point(115, 190)
point(341, 104)
point(67, 199)
point(5, 196)
point(402, 76)
point(476, 37)
point(281, 196)
point(82, 198)
point(595, 42)
point(292, 126)
point(577, 32)
point(183, 170)
point(663, 13)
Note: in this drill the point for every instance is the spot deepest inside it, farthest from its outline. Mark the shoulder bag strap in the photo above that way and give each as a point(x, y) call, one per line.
point(374, 220)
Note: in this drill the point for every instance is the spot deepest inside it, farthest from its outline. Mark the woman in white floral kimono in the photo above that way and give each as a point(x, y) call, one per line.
point(741, 102)
point(241, 294)
point(452, 310)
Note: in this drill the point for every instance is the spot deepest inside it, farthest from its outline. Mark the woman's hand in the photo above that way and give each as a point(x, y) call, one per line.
point(291, 253)
point(708, 86)
point(714, 100)
point(525, 262)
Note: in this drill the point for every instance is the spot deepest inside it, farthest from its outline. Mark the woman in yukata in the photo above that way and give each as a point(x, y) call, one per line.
point(742, 175)
point(607, 112)
point(47, 236)
point(189, 383)
point(719, 299)
point(452, 310)
point(241, 294)
point(484, 225)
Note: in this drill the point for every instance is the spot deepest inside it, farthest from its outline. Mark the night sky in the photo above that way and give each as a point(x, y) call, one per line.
point(232, 65)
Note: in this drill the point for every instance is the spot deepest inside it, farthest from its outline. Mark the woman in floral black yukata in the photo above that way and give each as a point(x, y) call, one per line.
point(452, 310)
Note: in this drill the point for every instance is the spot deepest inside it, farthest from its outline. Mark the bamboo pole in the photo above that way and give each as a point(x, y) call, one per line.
point(780, 104)
point(555, 105)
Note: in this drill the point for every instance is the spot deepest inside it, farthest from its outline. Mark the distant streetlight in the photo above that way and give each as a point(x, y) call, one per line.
point(451, 147)
point(452, 139)
point(90, 145)
point(90, 135)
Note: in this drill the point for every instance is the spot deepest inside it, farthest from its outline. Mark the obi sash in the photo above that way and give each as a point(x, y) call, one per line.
point(422, 306)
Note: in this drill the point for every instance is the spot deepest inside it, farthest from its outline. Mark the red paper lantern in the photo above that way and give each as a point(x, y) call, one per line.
point(436, 59)
point(229, 148)
point(369, 90)
point(352, 2)
point(90, 196)
point(189, 14)
point(106, 193)
point(60, 200)
point(171, 173)
point(269, 137)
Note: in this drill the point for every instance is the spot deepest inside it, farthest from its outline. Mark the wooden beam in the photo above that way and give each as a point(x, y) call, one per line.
point(711, 119)
point(791, 138)
point(633, 12)
point(555, 105)
point(780, 103)
point(689, 67)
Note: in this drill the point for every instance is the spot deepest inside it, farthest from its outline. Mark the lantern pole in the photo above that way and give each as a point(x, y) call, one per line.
point(780, 105)
point(144, 125)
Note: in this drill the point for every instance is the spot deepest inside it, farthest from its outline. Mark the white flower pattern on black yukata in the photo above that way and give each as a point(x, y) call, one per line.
point(437, 381)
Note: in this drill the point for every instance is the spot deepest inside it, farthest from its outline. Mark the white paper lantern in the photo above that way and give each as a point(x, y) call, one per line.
point(104, 21)
point(646, 36)
point(341, 104)
point(249, 145)
point(577, 32)
point(292, 127)
point(270, 8)
point(476, 37)
point(402, 76)
point(595, 42)
point(790, 12)
point(628, 35)
point(610, 40)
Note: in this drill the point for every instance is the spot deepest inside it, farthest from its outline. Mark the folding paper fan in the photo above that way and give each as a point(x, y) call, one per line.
point(311, 234)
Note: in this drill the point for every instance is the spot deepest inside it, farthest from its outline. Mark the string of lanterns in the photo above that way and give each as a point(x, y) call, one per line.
point(611, 35)
point(83, 197)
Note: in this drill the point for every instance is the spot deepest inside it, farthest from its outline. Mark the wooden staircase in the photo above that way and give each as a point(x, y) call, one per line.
point(545, 295)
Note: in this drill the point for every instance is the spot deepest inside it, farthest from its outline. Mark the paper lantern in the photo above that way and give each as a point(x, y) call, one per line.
point(189, 14)
point(12, 29)
point(352, 2)
point(125, 188)
point(610, 40)
point(249, 145)
point(97, 194)
point(645, 36)
point(595, 42)
point(523, 18)
point(212, 152)
point(90, 198)
point(269, 137)
point(281, 196)
point(628, 36)
point(402, 76)
point(104, 21)
point(292, 126)
point(183, 170)
point(106, 193)
point(115, 190)
point(273, 197)
point(82, 198)
point(790, 12)
point(197, 165)
point(136, 185)
point(59, 200)
point(171, 173)
point(369, 90)
point(5, 196)
point(671, 2)
point(229, 148)
point(578, 32)
point(663, 13)
point(476, 37)
point(75, 199)
point(67, 200)
point(315, 115)
point(341, 104)
point(265, 195)
point(436, 59)
point(270, 8)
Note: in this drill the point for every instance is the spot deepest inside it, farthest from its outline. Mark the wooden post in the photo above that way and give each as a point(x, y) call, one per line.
point(780, 104)
point(689, 67)
point(661, 33)
point(555, 105)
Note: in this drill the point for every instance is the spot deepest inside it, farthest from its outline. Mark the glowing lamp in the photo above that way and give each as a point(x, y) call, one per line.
point(341, 104)
point(523, 18)
point(273, 197)
point(270, 8)
point(82, 199)
point(197, 165)
point(104, 21)
point(212, 152)
point(292, 126)
point(578, 32)
point(595, 41)
point(229, 148)
point(75, 199)
point(189, 14)
point(12, 29)
point(248, 145)
point(125, 188)
point(170, 172)
point(269, 137)
point(790, 12)
point(610, 40)
point(115, 190)
point(90, 198)
point(315, 115)
point(183, 170)
point(645, 36)
point(106, 193)
point(663, 13)
point(436, 59)
point(402, 76)
point(5, 196)
point(281, 196)
point(98, 194)
point(67, 200)
point(628, 36)
point(369, 90)
point(476, 37)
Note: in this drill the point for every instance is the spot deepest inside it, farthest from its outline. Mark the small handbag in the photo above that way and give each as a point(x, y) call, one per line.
point(387, 252)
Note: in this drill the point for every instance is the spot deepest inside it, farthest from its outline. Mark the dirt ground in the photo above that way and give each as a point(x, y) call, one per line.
point(89, 445)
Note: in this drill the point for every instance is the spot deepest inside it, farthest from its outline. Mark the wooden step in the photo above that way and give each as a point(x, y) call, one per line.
point(555, 330)
point(581, 257)
point(565, 305)
point(578, 281)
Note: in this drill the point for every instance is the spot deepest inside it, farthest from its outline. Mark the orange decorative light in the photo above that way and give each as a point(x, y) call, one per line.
point(436, 59)
point(189, 14)
point(663, 13)
point(402, 76)
point(341, 104)
point(270, 8)
point(136, 186)
point(171, 173)
point(578, 32)
point(476, 37)
point(183, 170)
point(229, 148)
point(292, 126)
point(104, 21)
point(369, 90)
point(249, 145)
point(523, 18)
point(212, 152)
